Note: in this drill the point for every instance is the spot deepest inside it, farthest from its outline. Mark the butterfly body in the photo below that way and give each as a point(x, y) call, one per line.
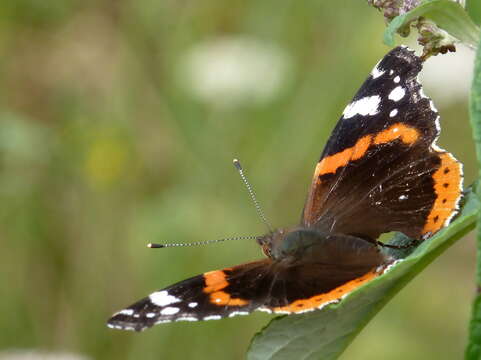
point(380, 171)
point(309, 245)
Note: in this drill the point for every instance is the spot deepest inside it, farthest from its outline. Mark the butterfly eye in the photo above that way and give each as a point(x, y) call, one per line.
point(266, 249)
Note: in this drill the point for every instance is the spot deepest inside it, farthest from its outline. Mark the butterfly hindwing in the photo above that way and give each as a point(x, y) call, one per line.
point(338, 266)
point(381, 170)
point(332, 268)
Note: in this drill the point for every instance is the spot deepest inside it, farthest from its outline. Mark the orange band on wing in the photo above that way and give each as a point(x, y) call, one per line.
point(407, 134)
point(361, 147)
point(335, 294)
point(222, 298)
point(330, 164)
point(447, 186)
point(215, 281)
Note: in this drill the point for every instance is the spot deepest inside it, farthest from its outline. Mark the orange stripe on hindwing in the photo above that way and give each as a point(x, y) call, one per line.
point(333, 295)
point(215, 282)
point(447, 187)
point(329, 165)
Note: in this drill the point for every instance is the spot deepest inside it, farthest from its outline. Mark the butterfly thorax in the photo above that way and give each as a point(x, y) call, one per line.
point(310, 245)
point(289, 242)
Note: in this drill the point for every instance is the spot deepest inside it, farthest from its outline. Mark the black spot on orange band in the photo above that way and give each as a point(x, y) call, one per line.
point(447, 187)
point(333, 295)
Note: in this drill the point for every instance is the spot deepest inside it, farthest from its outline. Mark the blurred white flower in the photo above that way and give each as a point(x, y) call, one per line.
point(447, 78)
point(39, 355)
point(231, 71)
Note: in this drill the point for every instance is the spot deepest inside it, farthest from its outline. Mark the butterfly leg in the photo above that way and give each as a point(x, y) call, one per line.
point(409, 245)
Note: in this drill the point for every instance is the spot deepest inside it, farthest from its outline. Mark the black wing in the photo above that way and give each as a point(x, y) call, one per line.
point(342, 266)
point(381, 170)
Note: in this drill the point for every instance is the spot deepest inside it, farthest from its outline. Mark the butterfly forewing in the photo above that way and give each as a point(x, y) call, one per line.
point(213, 295)
point(381, 170)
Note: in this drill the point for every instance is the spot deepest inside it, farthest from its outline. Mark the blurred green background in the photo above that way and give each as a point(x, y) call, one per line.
point(118, 124)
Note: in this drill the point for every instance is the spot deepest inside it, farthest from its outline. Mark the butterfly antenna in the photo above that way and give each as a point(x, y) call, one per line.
point(252, 194)
point(196, 243)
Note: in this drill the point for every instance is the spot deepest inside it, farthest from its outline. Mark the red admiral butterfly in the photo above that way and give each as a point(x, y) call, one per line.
point(380, 171)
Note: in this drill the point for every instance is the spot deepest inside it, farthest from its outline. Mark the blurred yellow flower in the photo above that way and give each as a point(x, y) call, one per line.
point(106, 161)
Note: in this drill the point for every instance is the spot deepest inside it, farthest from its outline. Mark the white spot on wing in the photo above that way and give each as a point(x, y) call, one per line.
point(393, 113)
point(150, 315)
point(128, 312)
point(119, 327)
point(421, 92)
point(403, 197)
point(391, 72)
point(437, 148)
point(390, 266)
point(192, 304)
point(282, 312)
point(397, 94)
point(397, 79)
point(212, 317)
point(368, 105)
point(162, 298)
point(263, 309)
point(376, 72)
point(235, 313)
point(170, 311)
point(329, 302)
point(186, 318)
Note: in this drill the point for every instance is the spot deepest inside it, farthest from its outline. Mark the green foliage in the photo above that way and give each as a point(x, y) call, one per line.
point(473, 351)
point(473, 8)
point(325, 334)
point(446, 14)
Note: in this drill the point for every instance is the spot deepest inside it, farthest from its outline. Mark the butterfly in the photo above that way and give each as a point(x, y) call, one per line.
point(380, 171)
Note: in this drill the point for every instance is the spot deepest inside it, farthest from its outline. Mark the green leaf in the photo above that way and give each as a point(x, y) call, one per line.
point(475, 105)
point(473, 7)
point(326, 333)
point(473, 350)
point(446, 14)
